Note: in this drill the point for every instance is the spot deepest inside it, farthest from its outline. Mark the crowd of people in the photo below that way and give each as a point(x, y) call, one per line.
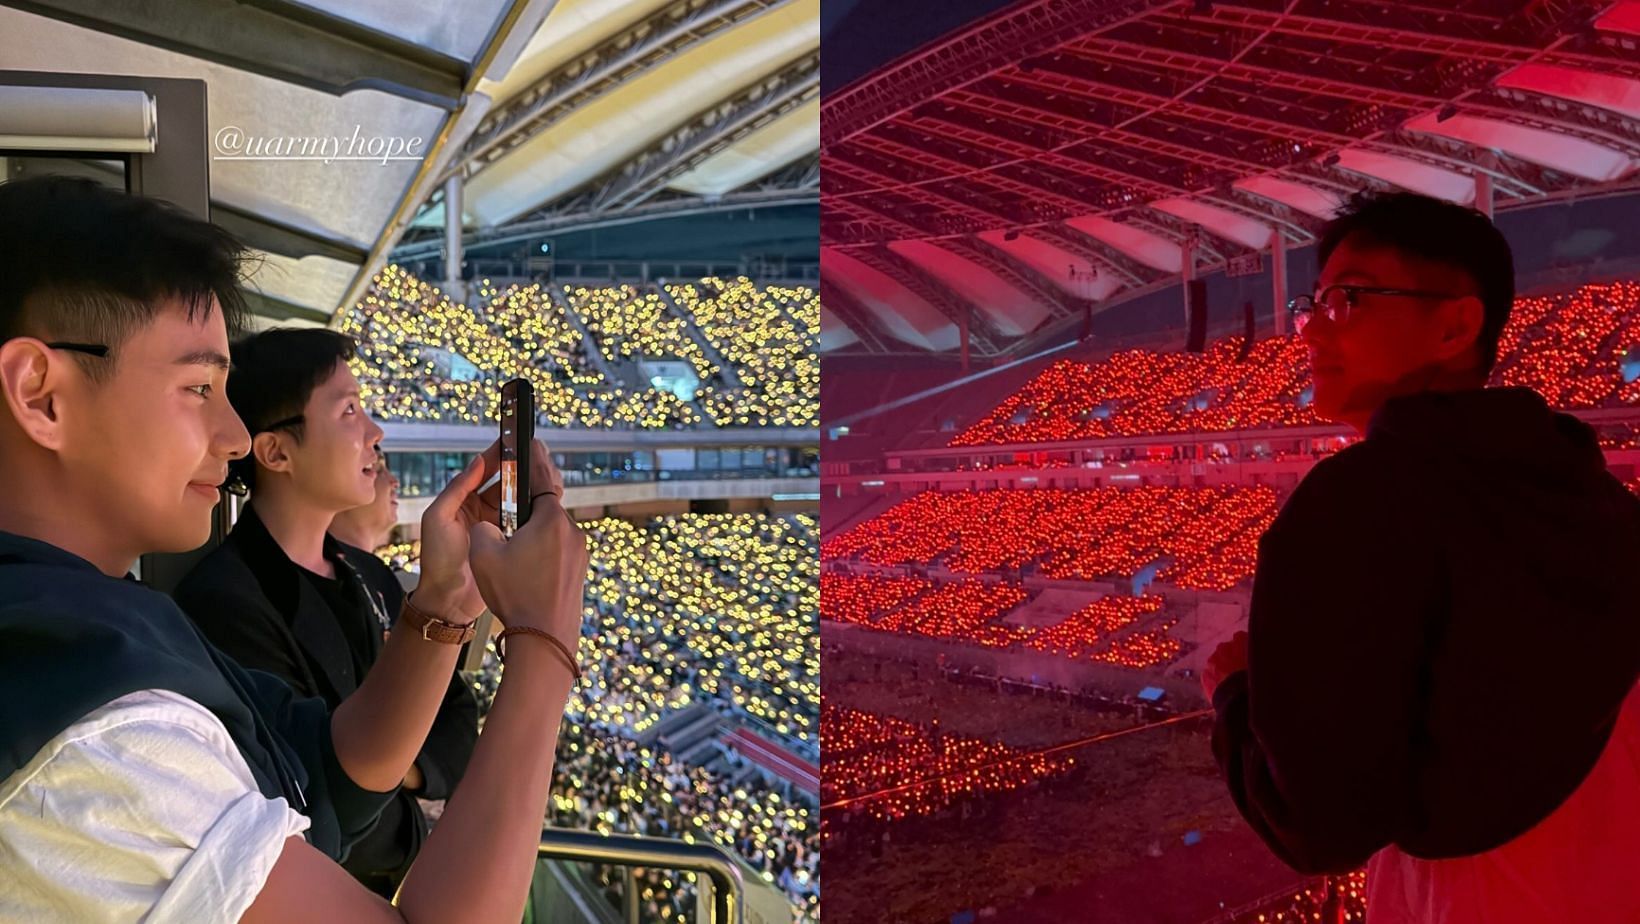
point(613, 785)
point(971, 612)
point(1571, 347)
point(769, 336)
point(717, 606)
point(887, 768)
point(1087, 632)
point(965, 610)
point(1198, 538)
point(424, 356)
point(861, 599)
point(1305, 904)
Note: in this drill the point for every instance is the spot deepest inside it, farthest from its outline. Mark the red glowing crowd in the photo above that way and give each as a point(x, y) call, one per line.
point(1570, 347)
point(971, 611)
point(888, 768)
point(1200, 538)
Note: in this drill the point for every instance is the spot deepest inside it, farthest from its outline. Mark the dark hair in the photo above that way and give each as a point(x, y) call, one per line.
point(1439, 232)
point(83, 262)
point(273, 375)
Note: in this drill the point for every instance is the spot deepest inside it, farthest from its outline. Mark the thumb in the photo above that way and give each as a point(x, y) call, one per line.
point(460, 486)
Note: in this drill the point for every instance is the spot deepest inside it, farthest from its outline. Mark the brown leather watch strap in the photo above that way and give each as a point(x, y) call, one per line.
point(434, 629)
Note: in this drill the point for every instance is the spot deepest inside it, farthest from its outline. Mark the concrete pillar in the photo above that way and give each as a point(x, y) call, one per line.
point(1278, 279)
point(453, 254)
point(966, 311)
point(1483, 193)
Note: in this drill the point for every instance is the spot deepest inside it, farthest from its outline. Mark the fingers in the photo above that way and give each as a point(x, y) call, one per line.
point(543, 472)
point(458, 489)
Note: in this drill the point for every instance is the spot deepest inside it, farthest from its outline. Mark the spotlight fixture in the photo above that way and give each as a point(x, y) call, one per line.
point(1447, 112)
point(1012, 235)
point(1331, 160)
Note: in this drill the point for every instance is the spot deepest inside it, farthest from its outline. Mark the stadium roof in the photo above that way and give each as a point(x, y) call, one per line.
point(970, 175)
point(566, 112)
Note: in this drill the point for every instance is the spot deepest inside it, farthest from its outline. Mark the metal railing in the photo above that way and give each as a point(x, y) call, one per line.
point(728, 888)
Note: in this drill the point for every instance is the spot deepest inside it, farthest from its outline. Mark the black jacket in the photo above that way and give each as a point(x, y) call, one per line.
point(252, 601)
point(73, 639)
point(1445, 621)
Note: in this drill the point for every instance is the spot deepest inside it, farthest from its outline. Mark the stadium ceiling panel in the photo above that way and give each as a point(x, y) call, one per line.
point(791, 137)
point(1056, 265)
point(611, 130)
point(1105, 135)
point(834, 334)
point(616, 107)
point(278, 73)
point(1012, 312)
point(903, 313)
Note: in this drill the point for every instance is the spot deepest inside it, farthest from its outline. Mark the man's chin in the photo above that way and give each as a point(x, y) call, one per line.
point(181, 541)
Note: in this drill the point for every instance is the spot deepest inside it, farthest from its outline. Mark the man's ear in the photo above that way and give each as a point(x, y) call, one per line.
point(270, 450)
point(1461, 321)
point(33, 380)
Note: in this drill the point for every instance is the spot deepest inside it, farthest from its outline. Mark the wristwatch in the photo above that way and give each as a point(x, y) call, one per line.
point(434, 629)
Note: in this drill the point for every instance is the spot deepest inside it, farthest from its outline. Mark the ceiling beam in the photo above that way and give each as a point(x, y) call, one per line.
point(1076, 247)
point(970, 54)
point(1149, 187)
point(638, 49)
point(1091, 90)
point(933, 291)
point(1015, 272)
point(1522, 108)
point(854, 315)
point(716, 129)
point(984, 219)
point(1086, 245)
point(889, 148)
point(1379, 37)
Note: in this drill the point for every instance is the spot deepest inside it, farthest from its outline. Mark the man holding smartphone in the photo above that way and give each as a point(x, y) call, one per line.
point(282, 595)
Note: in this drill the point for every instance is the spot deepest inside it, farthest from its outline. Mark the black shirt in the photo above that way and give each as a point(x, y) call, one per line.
point(343, 595)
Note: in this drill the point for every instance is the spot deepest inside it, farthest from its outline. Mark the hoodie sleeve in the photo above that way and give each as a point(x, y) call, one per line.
point(1315, 738)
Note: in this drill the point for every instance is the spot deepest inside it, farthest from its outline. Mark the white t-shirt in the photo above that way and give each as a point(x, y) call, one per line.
point(142, 811)
point(1580, 865)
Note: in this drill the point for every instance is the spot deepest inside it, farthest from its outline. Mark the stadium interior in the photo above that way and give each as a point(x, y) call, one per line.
point(617, 201)
point(1063, 400)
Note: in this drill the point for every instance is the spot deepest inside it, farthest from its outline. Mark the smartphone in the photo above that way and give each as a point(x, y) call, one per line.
point(517, 431)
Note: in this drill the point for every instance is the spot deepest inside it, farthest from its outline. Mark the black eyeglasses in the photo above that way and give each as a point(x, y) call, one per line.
point(94, 349)
point(1336, 302)
point(287, 422)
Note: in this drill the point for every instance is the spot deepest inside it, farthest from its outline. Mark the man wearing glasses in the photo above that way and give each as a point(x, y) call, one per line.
point(1439, 672)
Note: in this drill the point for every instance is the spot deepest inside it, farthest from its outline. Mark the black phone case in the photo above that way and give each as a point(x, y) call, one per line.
point(526, 435)
point(523, 397)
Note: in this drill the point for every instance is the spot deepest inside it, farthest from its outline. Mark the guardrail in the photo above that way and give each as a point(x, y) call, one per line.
point(728, 888)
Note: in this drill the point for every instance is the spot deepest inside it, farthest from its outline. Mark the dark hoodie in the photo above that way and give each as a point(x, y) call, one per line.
point(1445, 621)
